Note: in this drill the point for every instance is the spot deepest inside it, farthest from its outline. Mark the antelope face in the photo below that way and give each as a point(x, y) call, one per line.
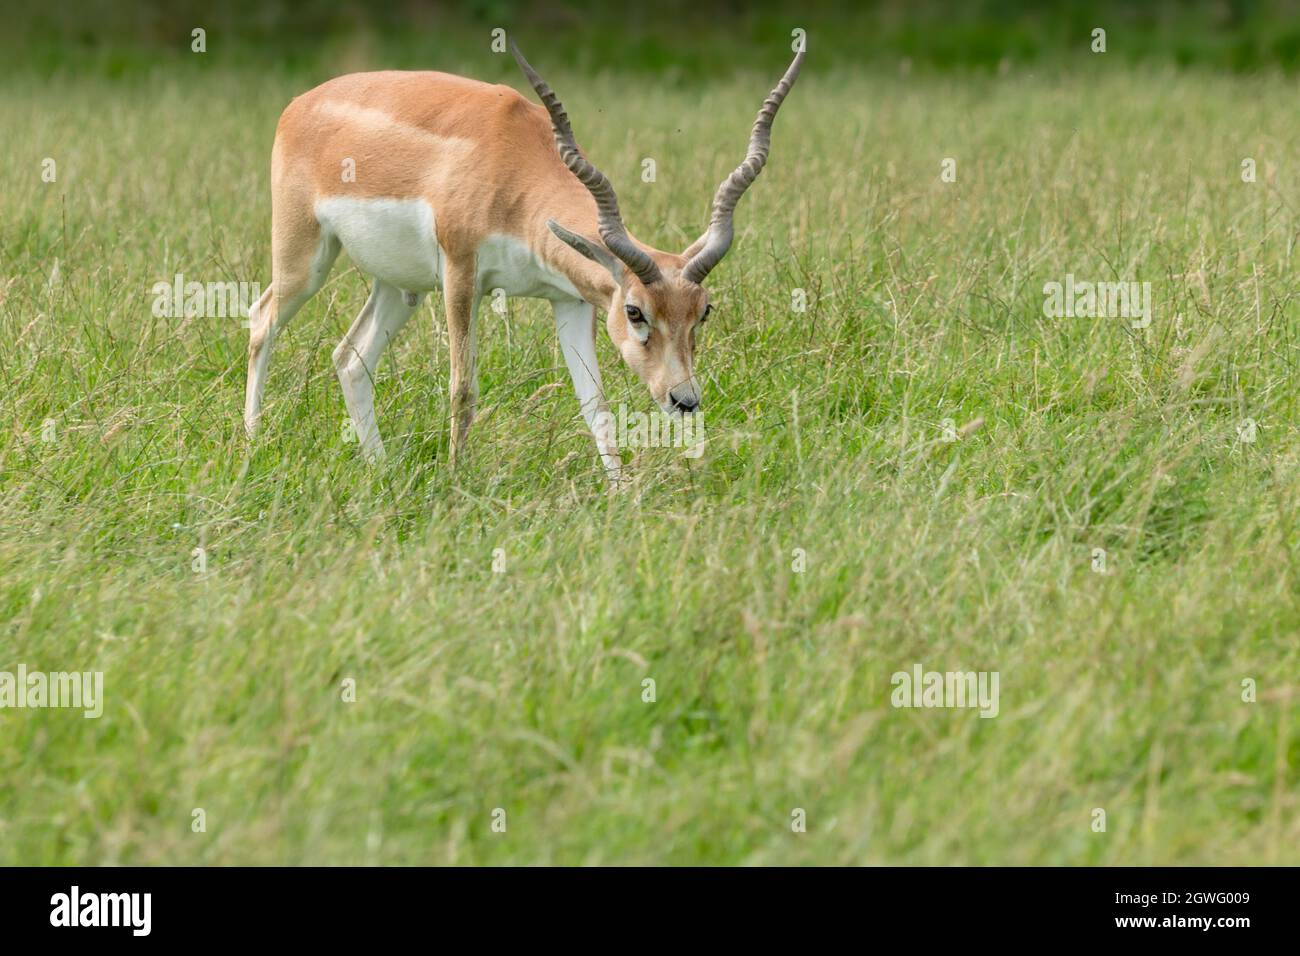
point(658, 304)
point(655, 328)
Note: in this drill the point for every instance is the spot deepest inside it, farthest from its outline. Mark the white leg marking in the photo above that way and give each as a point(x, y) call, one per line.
point(357, 357)
point(576, 324)
point(253, 388)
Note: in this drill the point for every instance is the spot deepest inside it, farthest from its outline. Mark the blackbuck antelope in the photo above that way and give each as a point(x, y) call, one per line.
point(432, 181)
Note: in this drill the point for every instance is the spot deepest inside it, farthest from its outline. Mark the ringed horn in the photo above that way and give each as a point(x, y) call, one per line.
point(717, 240)
point(610, 222)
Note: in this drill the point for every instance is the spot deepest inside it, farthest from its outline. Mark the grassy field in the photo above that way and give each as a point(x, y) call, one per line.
point(830, 448)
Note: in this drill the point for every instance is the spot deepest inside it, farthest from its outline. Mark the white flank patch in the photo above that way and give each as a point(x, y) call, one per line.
point(396, 240)
point(506, 263)
point(391, 239)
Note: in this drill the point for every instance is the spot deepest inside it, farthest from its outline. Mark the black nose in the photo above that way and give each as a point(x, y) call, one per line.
point(687, 406)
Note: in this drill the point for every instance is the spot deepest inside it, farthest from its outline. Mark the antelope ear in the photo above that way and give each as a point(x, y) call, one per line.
point(593, 249)
point(695, 247)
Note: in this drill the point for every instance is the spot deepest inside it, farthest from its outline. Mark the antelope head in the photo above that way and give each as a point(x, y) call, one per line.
point(659, 302)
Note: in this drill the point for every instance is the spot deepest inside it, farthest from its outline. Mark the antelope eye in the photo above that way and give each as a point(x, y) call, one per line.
point(707, 309)
point(634, 314)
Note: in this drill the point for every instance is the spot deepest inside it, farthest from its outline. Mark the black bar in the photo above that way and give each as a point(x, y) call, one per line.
point(334, 906)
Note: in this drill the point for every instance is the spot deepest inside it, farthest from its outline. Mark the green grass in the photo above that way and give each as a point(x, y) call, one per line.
point(523, 690)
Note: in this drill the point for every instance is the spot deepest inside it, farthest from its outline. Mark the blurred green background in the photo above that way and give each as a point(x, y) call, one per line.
point(679, 37)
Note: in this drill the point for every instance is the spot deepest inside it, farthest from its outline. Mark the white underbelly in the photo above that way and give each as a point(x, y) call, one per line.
point(508, 265)
point(394, 240)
